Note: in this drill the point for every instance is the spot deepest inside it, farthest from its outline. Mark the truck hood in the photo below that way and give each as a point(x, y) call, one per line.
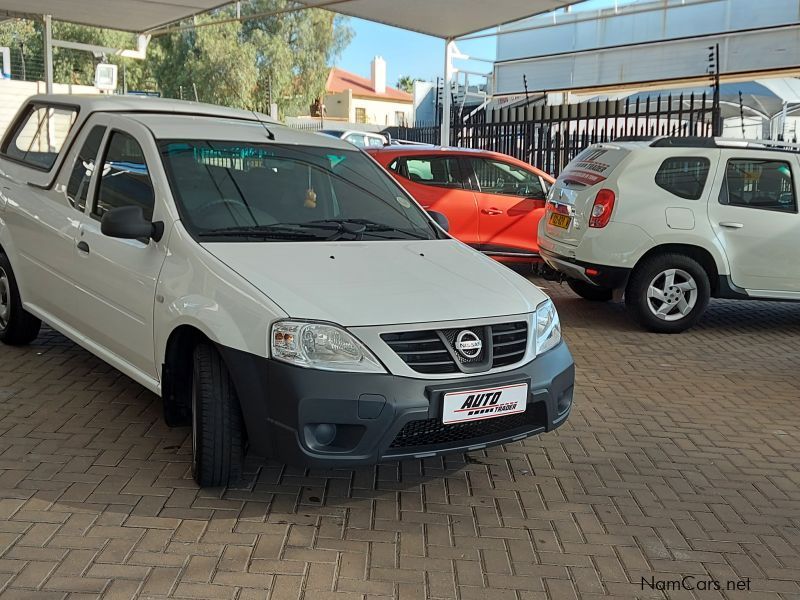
point(380, 283)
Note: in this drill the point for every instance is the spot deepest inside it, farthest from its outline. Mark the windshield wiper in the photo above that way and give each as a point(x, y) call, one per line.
point(359, 226)
point(263, 231)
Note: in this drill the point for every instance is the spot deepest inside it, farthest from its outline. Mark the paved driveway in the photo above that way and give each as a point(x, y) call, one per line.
point(680, 464)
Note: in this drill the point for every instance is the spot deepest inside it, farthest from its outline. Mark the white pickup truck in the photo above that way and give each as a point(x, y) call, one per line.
point(279, 291)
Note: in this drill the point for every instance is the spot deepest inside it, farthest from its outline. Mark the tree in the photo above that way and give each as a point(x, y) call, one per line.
point(282, 58)
point(406, 83)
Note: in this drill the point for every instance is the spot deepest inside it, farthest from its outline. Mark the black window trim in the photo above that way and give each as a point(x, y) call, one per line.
point(104, 153)
point(93, 178)
point(724, 185)
point(463, 176)
point(682, 157)
point(22, 118)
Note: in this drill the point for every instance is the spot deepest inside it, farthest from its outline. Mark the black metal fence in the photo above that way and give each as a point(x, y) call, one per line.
point(550, 136)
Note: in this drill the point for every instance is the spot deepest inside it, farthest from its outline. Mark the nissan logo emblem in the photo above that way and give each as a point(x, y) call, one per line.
point(468, 344)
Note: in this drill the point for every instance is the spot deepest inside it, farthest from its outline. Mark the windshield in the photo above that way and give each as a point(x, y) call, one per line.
point(235, 191)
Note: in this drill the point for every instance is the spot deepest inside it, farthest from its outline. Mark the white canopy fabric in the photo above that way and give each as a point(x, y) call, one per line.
point(439, 18)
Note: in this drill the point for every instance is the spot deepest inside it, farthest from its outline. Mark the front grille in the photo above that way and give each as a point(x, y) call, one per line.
point(432, 432)
point(426, 351)
point(509, 342)
point(423, 351)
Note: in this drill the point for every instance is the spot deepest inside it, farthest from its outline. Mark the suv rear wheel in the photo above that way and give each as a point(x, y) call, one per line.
point(587, 291)
point(17, 326)
point(217, 435)
point(668, 292)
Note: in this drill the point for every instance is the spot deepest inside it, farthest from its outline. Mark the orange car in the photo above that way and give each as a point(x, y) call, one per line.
point(492, 201)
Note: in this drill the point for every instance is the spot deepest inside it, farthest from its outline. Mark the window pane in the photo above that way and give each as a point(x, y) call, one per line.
point(496, 177)
point(683, 176)
point(82, 170)
point(434, 171)
point(41, 135)
point(765, 184)
point(125, 180)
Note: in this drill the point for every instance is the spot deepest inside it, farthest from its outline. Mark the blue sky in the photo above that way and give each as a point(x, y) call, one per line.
point(418, 55)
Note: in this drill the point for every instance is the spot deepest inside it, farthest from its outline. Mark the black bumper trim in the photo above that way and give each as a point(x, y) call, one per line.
point(287, 409)
point(606, 277)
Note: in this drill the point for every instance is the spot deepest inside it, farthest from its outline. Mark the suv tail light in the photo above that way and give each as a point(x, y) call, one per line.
point(601, 210)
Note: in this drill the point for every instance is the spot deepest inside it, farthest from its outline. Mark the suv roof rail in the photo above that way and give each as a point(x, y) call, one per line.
point(720, 142)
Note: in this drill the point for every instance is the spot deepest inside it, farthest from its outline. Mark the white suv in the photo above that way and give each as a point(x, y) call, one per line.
point(277, 289)
point(671, 222)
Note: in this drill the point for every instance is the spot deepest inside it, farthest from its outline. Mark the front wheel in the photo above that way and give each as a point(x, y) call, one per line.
point(217, 432)
point(587, 291)
point(668, 293)
point(17, 326)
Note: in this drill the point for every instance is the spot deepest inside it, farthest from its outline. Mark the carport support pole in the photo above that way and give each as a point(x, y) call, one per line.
point(448, 74)
point(48, 54)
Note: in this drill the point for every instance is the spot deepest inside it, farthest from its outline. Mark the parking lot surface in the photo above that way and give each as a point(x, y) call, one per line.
point(679, 465)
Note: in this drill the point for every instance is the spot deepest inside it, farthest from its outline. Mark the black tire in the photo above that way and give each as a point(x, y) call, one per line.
point(654, 270)
point(587, 291)
point(217, 434)
point(17, 326)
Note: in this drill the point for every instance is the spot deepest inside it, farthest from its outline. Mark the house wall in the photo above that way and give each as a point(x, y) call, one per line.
point(337, 106)
point(382, 112)
point(14, 93)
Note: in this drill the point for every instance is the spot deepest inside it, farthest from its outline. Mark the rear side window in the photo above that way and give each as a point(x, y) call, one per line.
point(439, 170)
point(764, 184)
point(125, 179)
point(684, 176)
point(40, 134)
point(81, 175)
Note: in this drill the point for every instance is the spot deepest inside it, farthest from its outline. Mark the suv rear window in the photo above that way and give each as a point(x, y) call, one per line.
point(39, 135)
point(684, 176)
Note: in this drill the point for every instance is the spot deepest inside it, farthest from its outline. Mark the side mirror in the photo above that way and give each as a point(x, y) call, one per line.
point(440, 219)
point(128, 223)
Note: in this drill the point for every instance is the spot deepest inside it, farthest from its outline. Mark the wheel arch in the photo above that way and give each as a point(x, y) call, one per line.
point(176, 373)
point(700, 254)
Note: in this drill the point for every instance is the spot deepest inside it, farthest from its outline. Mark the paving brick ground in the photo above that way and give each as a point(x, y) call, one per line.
point(681, 458)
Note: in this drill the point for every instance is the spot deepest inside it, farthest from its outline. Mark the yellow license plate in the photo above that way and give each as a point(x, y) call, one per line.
point(560, 220)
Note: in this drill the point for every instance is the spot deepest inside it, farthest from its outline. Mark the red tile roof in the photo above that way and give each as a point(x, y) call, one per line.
point(340, 80)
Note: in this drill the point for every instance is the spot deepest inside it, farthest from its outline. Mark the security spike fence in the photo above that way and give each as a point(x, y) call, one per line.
point(548, 137)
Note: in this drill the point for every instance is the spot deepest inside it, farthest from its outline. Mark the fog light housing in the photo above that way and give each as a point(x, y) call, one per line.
point(325, 433)
point(564, 400)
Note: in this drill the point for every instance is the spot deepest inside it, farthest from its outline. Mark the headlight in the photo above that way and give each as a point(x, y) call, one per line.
point(548, 327)
point(321, 346)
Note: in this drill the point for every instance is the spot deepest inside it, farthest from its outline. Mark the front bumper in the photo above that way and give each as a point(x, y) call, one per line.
point(288, 410)
point(600, 275)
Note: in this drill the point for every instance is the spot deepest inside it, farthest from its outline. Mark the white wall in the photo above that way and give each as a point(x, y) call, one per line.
point(381, 112)
point(653, 41)
point(14, 93)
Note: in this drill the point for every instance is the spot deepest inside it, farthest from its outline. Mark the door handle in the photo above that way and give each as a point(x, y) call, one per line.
point(492, 211)
point(731, 225)
point(83, 247)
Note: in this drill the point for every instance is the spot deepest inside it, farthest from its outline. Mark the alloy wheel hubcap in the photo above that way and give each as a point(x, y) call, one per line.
point(672, 294)
point(5, 299)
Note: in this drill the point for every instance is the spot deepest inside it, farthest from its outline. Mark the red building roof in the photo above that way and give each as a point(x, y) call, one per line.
point(340, 80)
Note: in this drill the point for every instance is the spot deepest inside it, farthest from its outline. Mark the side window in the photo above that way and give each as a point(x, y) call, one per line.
point(125, 179)
point(375, 142)
point(764, 184)
point(81, 175)
point(40, 134)
point(439, 170)
point(683, 176)
point(496, 177)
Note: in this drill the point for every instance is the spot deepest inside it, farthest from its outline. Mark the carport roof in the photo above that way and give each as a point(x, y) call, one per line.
point(439, 18)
